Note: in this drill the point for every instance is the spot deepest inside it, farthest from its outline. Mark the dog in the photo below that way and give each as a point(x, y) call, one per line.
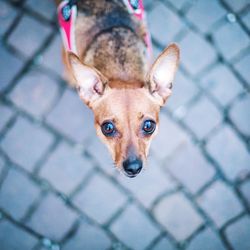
point(114, 78)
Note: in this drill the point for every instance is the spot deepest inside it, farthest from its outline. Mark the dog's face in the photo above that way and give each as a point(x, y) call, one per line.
point(127, 115)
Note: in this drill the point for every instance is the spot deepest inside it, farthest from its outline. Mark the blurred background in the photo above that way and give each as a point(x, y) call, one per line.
point(58, 186)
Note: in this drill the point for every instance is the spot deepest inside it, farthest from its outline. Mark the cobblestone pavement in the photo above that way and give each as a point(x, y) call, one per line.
point(58, 187)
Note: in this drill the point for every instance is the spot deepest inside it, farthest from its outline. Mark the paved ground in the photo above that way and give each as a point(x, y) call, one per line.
point(58, 188)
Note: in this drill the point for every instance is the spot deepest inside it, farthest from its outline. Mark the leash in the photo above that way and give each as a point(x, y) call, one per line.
point(67, 13)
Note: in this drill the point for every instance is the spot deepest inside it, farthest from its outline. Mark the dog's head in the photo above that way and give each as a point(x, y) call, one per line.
point(127, 118)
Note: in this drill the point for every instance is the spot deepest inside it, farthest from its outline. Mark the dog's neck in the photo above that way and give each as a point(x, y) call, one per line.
point(118, 54)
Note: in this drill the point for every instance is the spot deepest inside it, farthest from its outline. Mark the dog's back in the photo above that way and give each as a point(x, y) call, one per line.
point(109, 38)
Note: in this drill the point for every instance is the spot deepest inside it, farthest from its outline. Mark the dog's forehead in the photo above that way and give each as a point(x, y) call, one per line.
point(123, 105)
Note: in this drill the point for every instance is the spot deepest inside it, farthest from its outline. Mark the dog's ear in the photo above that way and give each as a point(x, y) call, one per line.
point(90, 83)
point(162, 73)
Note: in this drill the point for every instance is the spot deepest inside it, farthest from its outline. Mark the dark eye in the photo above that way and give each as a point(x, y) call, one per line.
point(148, 127)
point(108, 128)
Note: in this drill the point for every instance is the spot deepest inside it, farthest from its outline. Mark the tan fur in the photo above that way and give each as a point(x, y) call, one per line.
point(112, 76)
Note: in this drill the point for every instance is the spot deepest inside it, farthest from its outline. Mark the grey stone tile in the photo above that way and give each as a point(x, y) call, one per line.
point(178, 216)
point(45, 8)
point(191, 168)
point(163, 33)
point(88, 237)
point(222, 84)
point(196, 60)
point(7, 16)
point(237, 5)
point(238, 233)
point(206, 240)
point(149, 184)
point(240, 115)
point(229, 151)
point(35, 93)
point(246, 19)
point(242, 66)
point(134, 228)
point(52, 218)
point(103, 158)
point(52, 57)
point(164, 244)
point(10, 65)
point(6, 115)
point(245, 190)
point(179, 4)
point(235, 34)
point(198, 15)
point(27, 45)
point(94, 199)
point(203, 117)
point(216, 200)
point(19, 239)
point(65, 168)
point(184, 90)
point(169, 138)
point(72, 118)
point(25, 143)
point(17, 194)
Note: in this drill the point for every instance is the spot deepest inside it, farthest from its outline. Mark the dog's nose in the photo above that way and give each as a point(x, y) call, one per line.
point(132, 167)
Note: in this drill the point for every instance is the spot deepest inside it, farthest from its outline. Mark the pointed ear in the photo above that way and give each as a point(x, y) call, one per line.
point(162, 73)
point(90, 83)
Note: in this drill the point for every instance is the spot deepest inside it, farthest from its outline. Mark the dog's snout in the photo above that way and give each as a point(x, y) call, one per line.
point(132, 167)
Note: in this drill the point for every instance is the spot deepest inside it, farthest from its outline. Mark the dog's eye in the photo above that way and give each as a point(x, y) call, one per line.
point(149, 127)
point(108, 128)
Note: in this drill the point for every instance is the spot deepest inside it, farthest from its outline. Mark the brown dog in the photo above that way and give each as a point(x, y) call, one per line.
point(113, 78)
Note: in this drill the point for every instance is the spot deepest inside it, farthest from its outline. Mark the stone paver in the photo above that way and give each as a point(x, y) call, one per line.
point(245, 190)
point(88, 237)
point(164, 243)
point(7, 16)
point(59, 188)
point(71, 117)
point(242, 67)
point(10, 65)
point(25, 143)
point(169, 137)
point(203, 117)
point(241, 118)
point(194, 60)
point(238, 40)
point(52, 218)
point(163, 33)
point(27, 45)
point(51, 58)
point(19, 239)
point(142, 230)
point(178, 216)
point(6, 115)
point(17, 185)
point(45, 8)
point(65, 169)
point(197, 14)
point(222, 84)
point(219, 196)
point(190, 168)
point(35, 93)
point(184, 90)
point(94, 199)
point(230, 152)
point(206, 240)
point(238, 234)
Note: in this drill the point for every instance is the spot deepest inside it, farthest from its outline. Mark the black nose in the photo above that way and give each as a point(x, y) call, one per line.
point(132, 167)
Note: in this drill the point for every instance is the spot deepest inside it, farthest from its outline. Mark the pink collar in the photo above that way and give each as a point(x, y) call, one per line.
point(67, 14)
